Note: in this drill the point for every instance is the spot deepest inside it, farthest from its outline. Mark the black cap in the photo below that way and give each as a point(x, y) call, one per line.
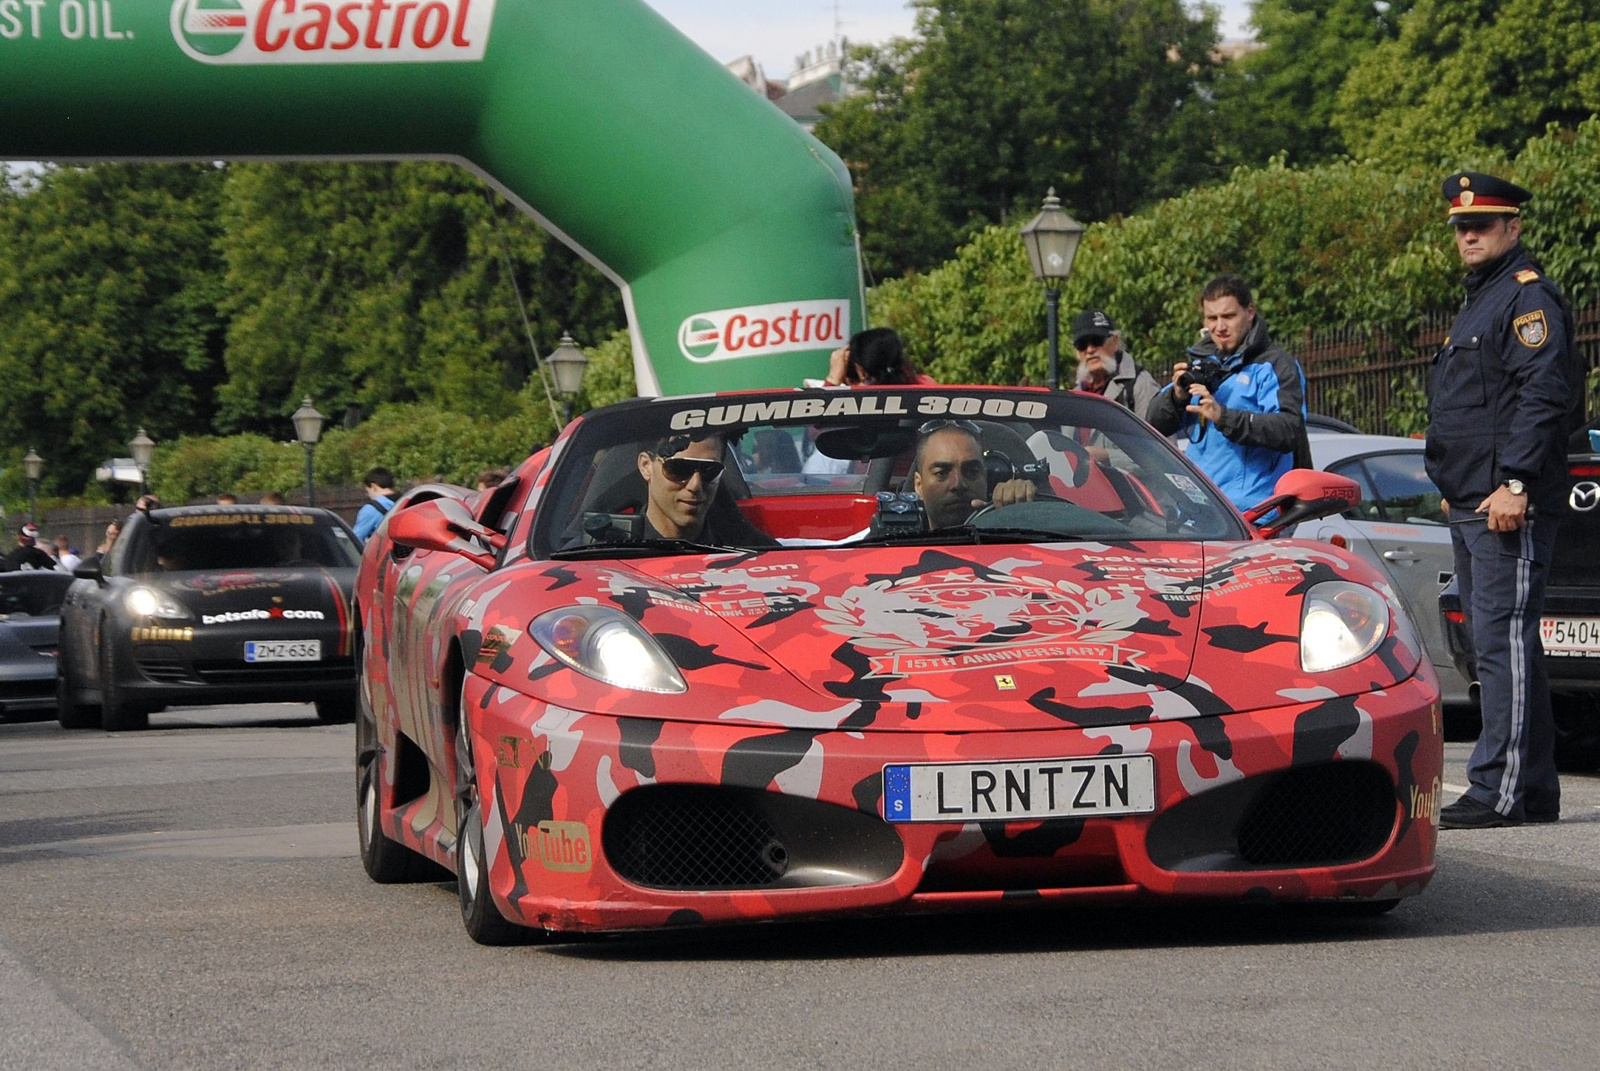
point(1474, 196)
point(1091, 322)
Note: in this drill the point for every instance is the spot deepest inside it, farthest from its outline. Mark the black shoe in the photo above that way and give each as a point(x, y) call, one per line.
point(1542, 817)
point(1468, 813)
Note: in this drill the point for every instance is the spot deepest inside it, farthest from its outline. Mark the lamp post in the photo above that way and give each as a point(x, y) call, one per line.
point(32, 467)
point(143, 448)
point(308, 429)
point(566, 366)
point(1052, 239)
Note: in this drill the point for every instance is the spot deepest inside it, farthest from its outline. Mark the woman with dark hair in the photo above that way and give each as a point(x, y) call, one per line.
point(772, 450)
point(873, 357)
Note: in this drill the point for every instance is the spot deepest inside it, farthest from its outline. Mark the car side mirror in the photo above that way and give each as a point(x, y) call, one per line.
point(444, 524)
point(89, 572)
point(1303, 495)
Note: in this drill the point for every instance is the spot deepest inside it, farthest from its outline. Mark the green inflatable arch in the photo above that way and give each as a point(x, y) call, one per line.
point(730, 231)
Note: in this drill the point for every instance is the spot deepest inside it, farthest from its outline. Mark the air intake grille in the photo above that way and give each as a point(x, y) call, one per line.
point(693, 838)
point(1319, 816)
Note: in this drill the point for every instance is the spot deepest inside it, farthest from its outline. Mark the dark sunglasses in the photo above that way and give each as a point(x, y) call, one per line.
point(1090, 340)
point(682, 469)
point(960, 425)
point(1477, 226)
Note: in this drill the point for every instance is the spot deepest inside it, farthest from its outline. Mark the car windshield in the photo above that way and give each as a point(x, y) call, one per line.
point(32, 594)
point(864, 467)
point(211, 541)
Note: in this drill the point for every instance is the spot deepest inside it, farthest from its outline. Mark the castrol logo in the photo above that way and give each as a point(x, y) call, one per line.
point(764, 330)
point(253, 32)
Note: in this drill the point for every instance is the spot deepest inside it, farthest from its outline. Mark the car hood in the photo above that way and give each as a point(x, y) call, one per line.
point(970, 638)
point(242, 595)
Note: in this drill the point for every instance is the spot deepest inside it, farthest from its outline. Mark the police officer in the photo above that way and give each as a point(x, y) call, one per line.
point(1504, 393)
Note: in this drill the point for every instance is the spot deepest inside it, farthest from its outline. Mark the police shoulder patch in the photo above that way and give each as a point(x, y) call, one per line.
point(1531, 329)
point(1527, 275)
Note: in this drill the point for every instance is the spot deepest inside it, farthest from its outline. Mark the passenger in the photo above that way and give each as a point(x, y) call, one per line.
point(682, 476)
point(947, 474)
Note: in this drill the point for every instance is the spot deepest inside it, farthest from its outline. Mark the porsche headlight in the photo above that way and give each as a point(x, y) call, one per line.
point(609, 646)
point(1340, 624)
point(149, 602)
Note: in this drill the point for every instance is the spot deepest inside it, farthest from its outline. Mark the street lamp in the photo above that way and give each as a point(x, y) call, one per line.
point(566, 365)
point(1052, 239)
point(32, 467)
point(144, 448)
point(308, 429)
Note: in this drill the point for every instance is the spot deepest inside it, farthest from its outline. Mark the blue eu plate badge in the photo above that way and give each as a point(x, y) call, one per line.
point(897, 793)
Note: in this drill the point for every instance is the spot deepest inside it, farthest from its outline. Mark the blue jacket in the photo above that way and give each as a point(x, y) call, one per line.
point(1505, 390)
point(371, 515)
point(1263, 420)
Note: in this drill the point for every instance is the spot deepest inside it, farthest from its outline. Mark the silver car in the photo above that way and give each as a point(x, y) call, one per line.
point(1399, 526)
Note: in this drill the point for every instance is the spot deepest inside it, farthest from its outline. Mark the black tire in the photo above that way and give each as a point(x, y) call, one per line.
point(1577, 720)
point(341, 711)
point(117, 713)
point(386, 861)
point(69, 712)
point(480, 916)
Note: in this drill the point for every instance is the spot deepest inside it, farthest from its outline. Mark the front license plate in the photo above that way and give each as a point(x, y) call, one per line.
point(282, 650)
point(1019, 791)
point(1570, 635)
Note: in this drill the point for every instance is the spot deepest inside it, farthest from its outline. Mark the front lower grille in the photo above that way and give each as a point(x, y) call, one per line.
point(1319, 816)
point(162, 665)
point(238, 671)
point(1325, 814)
point(696, 837)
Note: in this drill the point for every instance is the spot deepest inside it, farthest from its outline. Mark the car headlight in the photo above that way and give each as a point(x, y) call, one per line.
point(609, 646)
point(1340, 624)
point(148, 602)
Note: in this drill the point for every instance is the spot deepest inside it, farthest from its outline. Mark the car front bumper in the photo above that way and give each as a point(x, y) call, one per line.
point(604, 823)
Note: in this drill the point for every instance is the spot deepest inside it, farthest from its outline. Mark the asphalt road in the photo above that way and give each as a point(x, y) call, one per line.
point(190, 897)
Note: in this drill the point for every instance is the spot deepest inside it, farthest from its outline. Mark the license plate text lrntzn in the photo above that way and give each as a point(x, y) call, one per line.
point(1019, 791)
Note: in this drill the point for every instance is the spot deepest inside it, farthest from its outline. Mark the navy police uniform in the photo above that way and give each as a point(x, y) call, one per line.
point(1504, 393)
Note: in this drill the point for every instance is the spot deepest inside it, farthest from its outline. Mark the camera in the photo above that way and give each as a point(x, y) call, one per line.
point(1204, 369)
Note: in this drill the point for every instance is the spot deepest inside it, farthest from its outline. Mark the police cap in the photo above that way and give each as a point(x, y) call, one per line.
point(1475, 197)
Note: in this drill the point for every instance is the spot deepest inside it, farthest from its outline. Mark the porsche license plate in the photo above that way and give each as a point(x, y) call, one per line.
point(283, 650)
point(1020, 791)
point(1570, 635)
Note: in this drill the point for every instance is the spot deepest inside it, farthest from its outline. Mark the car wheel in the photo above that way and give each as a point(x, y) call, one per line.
point(340, 711)
point(385, 860)
point(1577, 733)
point(479, 914)
point(117, 713)
point(69, 712)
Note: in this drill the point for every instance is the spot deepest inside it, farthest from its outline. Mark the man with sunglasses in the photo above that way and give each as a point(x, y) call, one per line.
point(948, 475)
point(1506, 389)
point(1104, 367)
point(682, 475)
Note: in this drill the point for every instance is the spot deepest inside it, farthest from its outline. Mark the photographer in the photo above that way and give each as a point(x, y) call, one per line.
point(1239, 399)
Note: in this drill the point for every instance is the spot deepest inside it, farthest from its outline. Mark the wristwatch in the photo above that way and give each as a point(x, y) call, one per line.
point(1515, 487)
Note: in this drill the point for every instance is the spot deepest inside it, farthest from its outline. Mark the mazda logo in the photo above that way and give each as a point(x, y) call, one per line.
point(1585, 496)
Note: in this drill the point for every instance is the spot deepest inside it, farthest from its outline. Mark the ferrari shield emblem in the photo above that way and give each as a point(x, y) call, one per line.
point(1531, 329)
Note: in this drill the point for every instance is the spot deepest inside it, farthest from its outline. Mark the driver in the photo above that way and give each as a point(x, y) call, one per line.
point(947, 474)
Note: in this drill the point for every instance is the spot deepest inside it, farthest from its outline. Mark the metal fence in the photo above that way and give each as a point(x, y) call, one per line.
point(1379, 382)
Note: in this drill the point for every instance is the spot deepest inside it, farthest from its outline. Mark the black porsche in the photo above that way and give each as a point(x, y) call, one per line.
point(211, 604)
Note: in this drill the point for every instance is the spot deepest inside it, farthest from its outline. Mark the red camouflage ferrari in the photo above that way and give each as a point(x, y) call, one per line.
point(779, 654)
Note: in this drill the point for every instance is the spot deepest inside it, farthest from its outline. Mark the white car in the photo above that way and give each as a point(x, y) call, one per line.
point(1399, 526)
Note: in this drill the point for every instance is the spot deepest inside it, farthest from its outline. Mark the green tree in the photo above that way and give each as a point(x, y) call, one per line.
point(109, 292)
point(996, 100)
point(1281, 97)
point(1465, 76)
point(368, 284)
